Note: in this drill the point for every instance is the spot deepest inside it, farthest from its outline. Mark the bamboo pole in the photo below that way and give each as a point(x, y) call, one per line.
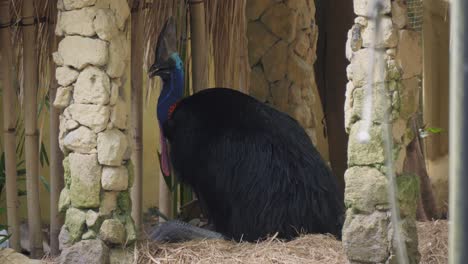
point(9, 126)
point(137, 111)
point(458, 231)
point(165, 198)
point(56, 156)
point(198, 44)
point(30, 124)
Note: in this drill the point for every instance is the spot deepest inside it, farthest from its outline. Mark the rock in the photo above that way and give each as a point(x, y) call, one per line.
point(279, 93)
point(281, 20)
point(409, 53)
point(381, 103)
point(119, 8)
point(92, 87)
point(10, 256)
point(361, 154)
point(124, 202)
point(75, 222)
point(80, 51)
point(85, 180)
point(63, 96)
point(81, 140)
point(365, 188)
point(65, 75)
point(108, 203)
point(119, 115)
point(57, 58)
point(409, 96)
point(255, 8)
point(71, 124)
point(388, 37)
point(299, 71)
point(303, 115)
point(121, 256)
point(76, 4)
point(64, 200)
point(64, 238)
point(90, 234)
point(362, 7)
point(114, 178)
point(365, 237)
point(118, 56)
point(111, 146)
point(130, 230)
point(76, 22)
point(112, 231)
point(105, 24)
point(66, 172)
point(93, 116)
point(91, 218)
point(349, 116)
point(301, 44)
point(275, 61)
point(358, 70)
point(399, 13)
point(259, 41)
point(92, 251)
point(408, 194)
point(361, 21)
point(258, 84)
point(114, 95)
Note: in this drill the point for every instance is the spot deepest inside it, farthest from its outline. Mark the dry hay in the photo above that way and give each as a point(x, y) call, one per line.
point(433, 237)
point(433, 241)
point(306, 249)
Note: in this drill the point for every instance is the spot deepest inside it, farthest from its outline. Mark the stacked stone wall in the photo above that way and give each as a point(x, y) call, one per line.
point(368, 235)
point(282, 37)
point(92, 58)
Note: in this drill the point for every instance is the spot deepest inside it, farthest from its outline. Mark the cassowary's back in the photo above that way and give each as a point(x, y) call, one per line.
point(253, 167)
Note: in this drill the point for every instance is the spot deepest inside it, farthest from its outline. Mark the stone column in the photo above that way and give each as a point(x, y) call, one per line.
point(92, 59)
point(282, 38)
point(368, 232)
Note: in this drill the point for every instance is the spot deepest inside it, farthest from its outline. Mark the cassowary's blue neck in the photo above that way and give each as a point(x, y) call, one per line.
point(172, 91)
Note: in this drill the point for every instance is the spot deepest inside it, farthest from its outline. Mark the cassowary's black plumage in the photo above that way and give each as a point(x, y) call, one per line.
point(253, 168)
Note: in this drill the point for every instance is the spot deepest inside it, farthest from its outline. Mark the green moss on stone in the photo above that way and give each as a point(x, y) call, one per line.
point(75, 222)
point(131, 176)
point(124, 202)
point(408, 194)
point(66, 172)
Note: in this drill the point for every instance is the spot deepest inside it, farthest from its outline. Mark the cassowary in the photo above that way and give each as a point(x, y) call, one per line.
point(253, 168)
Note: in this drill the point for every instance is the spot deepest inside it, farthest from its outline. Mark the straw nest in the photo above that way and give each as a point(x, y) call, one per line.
point(433, 247)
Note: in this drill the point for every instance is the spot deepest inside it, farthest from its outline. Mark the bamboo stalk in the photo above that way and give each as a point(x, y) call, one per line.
point(137, 111)
point(165, 198)
point(30, 124)
point(9, 127)
point(56, 156)
point(198, 44)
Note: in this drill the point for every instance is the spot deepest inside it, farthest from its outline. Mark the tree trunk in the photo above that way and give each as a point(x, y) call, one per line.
point(137, 111)
point(56, 156)
point(9, 127)
point(30, 124)
point(198, 44)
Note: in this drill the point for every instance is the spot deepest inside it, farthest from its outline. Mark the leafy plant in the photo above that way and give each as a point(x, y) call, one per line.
point(3, 237)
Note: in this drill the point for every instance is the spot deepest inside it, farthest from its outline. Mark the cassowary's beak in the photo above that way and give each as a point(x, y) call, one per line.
point(165, 47)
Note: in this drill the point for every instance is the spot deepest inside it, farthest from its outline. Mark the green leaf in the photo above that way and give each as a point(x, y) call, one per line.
point(4, 238)
point(434, 130)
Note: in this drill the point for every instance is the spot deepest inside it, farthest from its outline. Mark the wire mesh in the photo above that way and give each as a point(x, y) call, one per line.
point(415, 14)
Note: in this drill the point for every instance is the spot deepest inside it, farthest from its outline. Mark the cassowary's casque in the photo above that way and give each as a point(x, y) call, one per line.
point(253, 168)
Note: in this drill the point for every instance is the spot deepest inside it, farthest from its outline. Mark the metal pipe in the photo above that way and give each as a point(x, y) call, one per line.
point(458, 213)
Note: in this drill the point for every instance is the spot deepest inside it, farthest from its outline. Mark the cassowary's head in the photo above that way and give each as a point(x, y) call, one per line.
point(169, 67)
